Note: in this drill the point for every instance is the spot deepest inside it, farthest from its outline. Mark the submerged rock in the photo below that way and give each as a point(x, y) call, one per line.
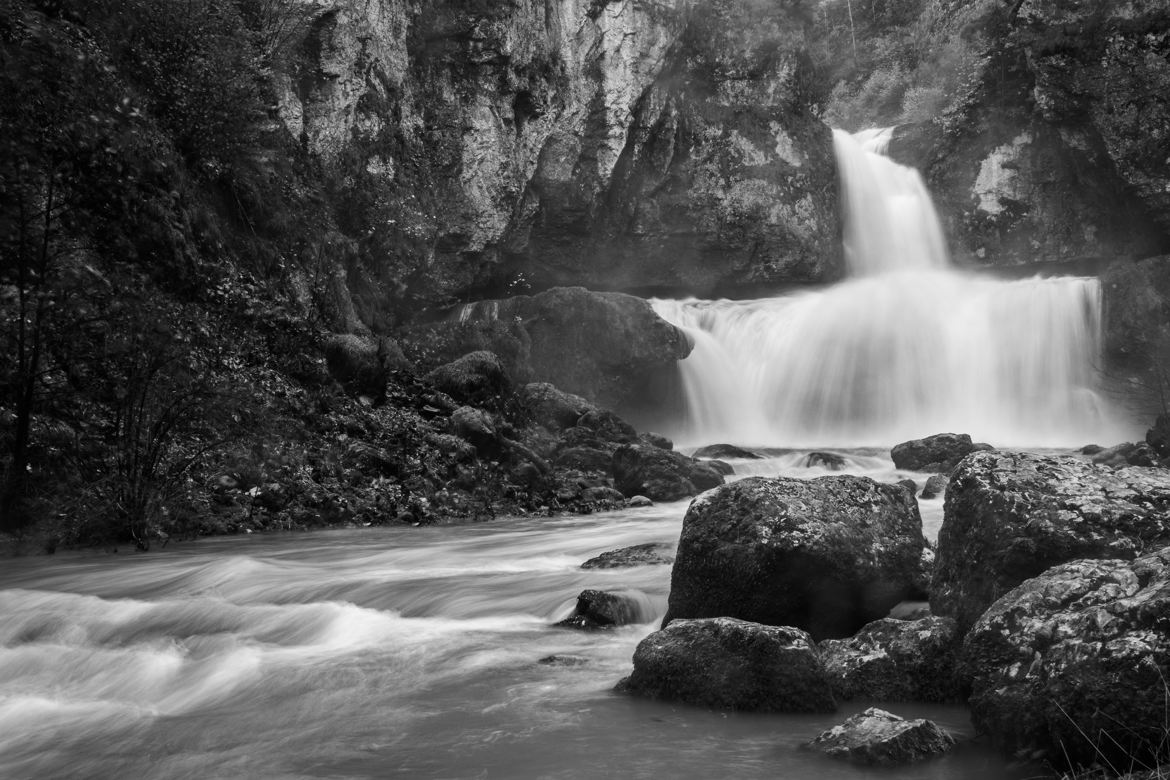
point(1009, 516)
point(825, 460)
point(940, 452)
point(879, 738)
point(896, 660)
point(721, 451)
point(601, 609)
point(649, 554)
point(1073, 664)
point(826, 555)
point(726, 663)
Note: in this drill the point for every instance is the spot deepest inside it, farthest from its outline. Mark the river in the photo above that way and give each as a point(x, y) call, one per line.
point(380, 652)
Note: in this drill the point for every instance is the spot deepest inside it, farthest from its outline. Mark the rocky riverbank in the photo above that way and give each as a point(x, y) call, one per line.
point(1045, 599)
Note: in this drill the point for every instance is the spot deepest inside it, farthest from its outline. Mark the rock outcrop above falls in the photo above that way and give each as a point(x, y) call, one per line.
point(617, 145)
point(1058, 153)
point(1011, 516)
point(826, 555)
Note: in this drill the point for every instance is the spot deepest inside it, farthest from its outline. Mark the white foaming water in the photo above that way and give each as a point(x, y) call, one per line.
point(905, 348)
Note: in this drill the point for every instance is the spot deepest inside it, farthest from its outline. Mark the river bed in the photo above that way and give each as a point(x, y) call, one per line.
point(380, 652)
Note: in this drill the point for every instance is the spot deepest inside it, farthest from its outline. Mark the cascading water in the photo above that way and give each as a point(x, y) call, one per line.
point(906, 347)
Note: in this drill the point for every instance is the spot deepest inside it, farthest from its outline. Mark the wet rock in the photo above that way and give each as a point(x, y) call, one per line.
point(896, 660)
point(649, 554)
point(879, 738)
point(552, 408)
point(909, 484)
point(1091, 449)
point(723, 451)
point(371, 461)
point(656, 440)
point(659, 474)
point(1135, 307)
point(359, 363)
point(1011, 516)
point(940, 452)
point(583, 459)
point(726, 469)
point(1071, 665)
point(924, 574)
point(826, 555)
point(639, 501)
point(726, 663)
point(825, 460)
point(602, 609)
point(475, 426)
point(608, 426)
point(563, 660)
point(602, 494)
point(1127, 454)
point(476, 379)
point(935, 486)
point(910, 610)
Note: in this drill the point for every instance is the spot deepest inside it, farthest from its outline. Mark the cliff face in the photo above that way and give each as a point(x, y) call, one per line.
point(484, 147)
point(1059, 154)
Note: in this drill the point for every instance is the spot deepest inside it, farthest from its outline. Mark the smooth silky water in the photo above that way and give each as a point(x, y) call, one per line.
point(407, 652)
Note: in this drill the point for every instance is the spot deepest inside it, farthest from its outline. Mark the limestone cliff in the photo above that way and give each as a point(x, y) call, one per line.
point(1058, 154)
point(484, 147)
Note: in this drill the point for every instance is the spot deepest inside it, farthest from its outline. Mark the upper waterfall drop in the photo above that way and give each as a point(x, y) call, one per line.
point(905, 347)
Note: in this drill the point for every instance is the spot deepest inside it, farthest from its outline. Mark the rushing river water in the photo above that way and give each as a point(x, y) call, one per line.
point(412, 652)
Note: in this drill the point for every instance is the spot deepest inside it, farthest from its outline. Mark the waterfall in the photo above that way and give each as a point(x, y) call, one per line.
point(905, 347)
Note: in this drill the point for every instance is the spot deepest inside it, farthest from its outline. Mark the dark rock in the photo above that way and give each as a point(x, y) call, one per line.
point(608, 426)
point(659, 474)
point(639, 501)
point(1010, 516)
point(924, 574)
point(358, 363)
point(1135, 308)
point(723, 451)
point(371, 461)
point(909, 484)
point(563, 660)
point(940, 452)
point(1071, 664)
point(825, 460)
point(583, 459)
point(552, 408)
point(1127, 454)
point(454, 448)
point(726, 469)
point(601, 609)
point(650, 554)
point(935, 486)
point(879, 738)
point(705, 476)
point(602, 495)
point(656, 440)
point(896, 660)
point(726, 663)
point(475, 426)
point(1158, 437)
point(1091, 449)
point(826, 555)
point(476, 379)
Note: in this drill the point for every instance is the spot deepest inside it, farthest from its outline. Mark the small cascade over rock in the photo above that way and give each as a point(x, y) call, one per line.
point(905, 347)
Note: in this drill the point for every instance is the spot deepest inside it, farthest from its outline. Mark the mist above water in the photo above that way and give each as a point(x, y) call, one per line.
point(907, 346)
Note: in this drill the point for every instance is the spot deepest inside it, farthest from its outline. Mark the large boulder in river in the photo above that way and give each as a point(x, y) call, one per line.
point(940, 452)
point(896, 660)
point(658, 474)
point(879, 738)
point(1009, 516)
point(1073, 664)
point(826, 555)
point(731, 664)
point(602, 609)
